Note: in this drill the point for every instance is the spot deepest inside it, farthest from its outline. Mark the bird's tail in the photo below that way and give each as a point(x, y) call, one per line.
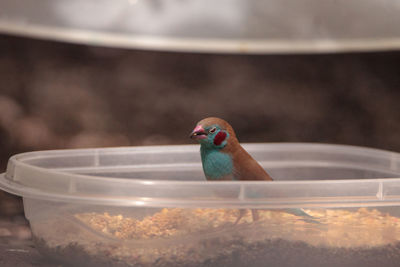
point(301, 213)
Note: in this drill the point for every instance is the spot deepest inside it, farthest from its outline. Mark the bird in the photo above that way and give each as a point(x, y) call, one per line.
point(224, 159)
point(222, 156)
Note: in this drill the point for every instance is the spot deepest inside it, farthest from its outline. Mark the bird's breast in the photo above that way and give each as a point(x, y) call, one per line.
point(216, 164)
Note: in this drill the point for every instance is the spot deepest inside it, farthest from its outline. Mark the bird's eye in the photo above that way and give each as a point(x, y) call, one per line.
point(212, 130)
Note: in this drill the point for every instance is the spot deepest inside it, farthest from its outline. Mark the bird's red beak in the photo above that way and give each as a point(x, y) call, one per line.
point(198, 133)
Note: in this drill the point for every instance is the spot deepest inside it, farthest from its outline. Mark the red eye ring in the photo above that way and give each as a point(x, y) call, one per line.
point(212, 130)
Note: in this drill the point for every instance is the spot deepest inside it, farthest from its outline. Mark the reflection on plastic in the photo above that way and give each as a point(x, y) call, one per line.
point(240, 26)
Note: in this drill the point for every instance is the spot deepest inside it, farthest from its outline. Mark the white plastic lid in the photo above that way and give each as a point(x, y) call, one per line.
point(236, 26)
point(307, 175)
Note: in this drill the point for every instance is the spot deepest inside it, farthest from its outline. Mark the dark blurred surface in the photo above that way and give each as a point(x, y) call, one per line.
point(55, 95)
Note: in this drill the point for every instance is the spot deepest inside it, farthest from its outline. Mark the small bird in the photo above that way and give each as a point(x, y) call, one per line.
point(223, 158)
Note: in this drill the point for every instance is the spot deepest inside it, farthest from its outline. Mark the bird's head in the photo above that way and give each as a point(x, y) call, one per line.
point(213, 132)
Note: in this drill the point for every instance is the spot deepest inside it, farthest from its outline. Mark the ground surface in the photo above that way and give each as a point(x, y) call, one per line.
point(15, 251)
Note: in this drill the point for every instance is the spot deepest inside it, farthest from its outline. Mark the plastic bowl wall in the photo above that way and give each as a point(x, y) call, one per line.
point(329, 205)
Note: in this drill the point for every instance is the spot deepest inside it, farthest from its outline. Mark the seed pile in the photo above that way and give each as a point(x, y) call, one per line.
point(197, 237)
point(339, 228)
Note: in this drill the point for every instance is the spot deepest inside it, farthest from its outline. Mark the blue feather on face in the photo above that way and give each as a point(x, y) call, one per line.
point(216, 164)
point(216, 137)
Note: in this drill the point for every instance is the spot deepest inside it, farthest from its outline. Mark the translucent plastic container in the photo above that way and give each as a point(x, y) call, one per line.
point(236, 26)
point(151, 206)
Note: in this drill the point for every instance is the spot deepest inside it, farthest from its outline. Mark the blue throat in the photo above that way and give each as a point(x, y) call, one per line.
point(216, 164)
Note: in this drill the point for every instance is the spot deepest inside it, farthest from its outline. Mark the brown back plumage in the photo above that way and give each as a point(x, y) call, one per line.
point(246, 168)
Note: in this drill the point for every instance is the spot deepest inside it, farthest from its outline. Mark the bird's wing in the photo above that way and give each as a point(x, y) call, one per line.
point(247, 168)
